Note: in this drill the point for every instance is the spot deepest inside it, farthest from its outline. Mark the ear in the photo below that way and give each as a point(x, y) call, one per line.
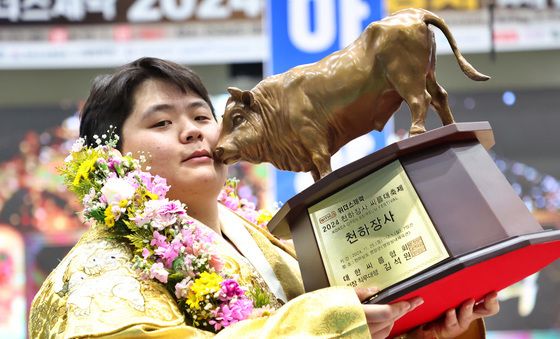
point(235, 92)
point(248, 98)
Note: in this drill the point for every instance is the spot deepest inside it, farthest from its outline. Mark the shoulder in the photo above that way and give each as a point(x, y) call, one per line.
point(95, 281)
point(257, 232)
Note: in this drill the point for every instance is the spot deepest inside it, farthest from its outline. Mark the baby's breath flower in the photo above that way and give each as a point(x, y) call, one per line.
point(169, 246)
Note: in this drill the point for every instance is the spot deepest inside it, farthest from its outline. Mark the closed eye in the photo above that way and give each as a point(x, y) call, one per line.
point(202, 118)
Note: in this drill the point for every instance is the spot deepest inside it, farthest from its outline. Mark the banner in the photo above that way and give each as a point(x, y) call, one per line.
point(107, 33)
point(76, 12)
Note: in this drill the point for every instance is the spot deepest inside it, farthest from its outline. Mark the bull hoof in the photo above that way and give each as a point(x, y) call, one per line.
point(416, 131)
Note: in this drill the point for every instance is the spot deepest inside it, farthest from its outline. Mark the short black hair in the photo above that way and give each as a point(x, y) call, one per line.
point(111, 96)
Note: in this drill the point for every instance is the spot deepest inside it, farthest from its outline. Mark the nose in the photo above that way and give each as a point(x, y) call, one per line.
point(191, 133)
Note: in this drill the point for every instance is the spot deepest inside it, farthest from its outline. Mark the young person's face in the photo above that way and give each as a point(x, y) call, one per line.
point(178, 134)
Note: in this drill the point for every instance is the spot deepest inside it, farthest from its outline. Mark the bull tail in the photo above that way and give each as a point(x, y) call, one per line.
point(466, 67)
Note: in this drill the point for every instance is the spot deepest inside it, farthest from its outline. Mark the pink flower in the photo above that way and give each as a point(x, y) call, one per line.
point(230, 289)
point(169, 252)
point(172, 207)
point(182, 288)
point(203, 236)
point(216, 262)
point(250, 215)
point(154, 184)
point(114, 162)
point(145, 253)
point(159, 186)
point(162, 213)
point(223, 195)
point(187, 238)
point(246, 204)
point(231, 313)
point(159, 272)
point(158, 240)
point(232, 203)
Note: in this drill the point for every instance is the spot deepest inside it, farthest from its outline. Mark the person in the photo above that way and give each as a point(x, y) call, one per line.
point(162, 110)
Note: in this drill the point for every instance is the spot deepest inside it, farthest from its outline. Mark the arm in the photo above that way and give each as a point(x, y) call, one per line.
point(329, 312)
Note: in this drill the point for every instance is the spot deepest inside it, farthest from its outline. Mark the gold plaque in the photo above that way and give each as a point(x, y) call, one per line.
point(376, 231)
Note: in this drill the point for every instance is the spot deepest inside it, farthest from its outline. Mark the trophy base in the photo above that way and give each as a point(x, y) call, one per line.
point(345, 234)
point(472, 275)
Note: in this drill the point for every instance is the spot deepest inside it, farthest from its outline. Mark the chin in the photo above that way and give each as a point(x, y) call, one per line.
point(203, 180)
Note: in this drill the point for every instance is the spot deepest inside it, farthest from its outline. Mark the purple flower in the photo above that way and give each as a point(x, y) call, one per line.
point(188, 238)
point(159, 186)
point(154, 184)
point(230, 288)
point(232, 203)
point(161, 213)
point(250, 215)
point(203, 236)
point(114, 163)
point(232, 312)
point(169, 252)
point(158, 240)
point(172, 207)
point(247, 204)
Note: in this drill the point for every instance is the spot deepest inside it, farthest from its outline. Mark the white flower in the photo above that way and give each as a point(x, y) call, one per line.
point(78, 145)
point(117, 189)
point(159, 272)
point(182, 288)
point(89, 197)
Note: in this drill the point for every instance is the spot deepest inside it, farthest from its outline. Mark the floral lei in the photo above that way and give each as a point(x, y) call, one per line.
point(168, 246)
point(6, 267)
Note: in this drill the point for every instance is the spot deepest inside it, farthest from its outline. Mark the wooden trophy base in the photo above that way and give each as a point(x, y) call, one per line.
point(488, 238)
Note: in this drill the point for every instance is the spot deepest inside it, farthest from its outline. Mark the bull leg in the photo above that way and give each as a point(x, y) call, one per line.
point(412, 88)
point(320, 156)
point(439, 100)
point(322, 166)
point(315, 174)
point(418, 104)
point(321, 159)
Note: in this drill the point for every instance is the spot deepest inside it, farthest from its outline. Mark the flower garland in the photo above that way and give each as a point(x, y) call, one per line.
point(230, 198)
point(168, 245)
point(6, 268)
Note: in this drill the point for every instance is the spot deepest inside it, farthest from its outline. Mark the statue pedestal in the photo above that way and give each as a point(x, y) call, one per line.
point(430, 215)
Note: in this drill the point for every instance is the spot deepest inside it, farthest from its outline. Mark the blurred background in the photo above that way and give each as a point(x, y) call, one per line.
point(50, 51)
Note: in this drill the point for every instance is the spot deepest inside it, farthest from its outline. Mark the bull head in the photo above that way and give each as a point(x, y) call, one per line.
point(238, 134)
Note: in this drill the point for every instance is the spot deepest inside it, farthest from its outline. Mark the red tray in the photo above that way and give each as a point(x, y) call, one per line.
point(472, 275)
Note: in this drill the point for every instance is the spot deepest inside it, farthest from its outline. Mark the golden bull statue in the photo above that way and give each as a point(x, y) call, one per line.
point(296, 120)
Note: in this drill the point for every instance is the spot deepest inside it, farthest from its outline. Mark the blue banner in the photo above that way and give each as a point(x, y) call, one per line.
point(305, 31)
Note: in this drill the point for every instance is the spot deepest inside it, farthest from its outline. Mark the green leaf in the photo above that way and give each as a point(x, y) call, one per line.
point(178, 263)
point(259, 296)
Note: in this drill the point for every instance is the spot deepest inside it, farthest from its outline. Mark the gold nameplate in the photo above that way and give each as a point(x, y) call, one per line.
point(376, 231)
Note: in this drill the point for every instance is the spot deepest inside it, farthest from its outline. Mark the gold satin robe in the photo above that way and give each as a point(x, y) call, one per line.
point(93, 292)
